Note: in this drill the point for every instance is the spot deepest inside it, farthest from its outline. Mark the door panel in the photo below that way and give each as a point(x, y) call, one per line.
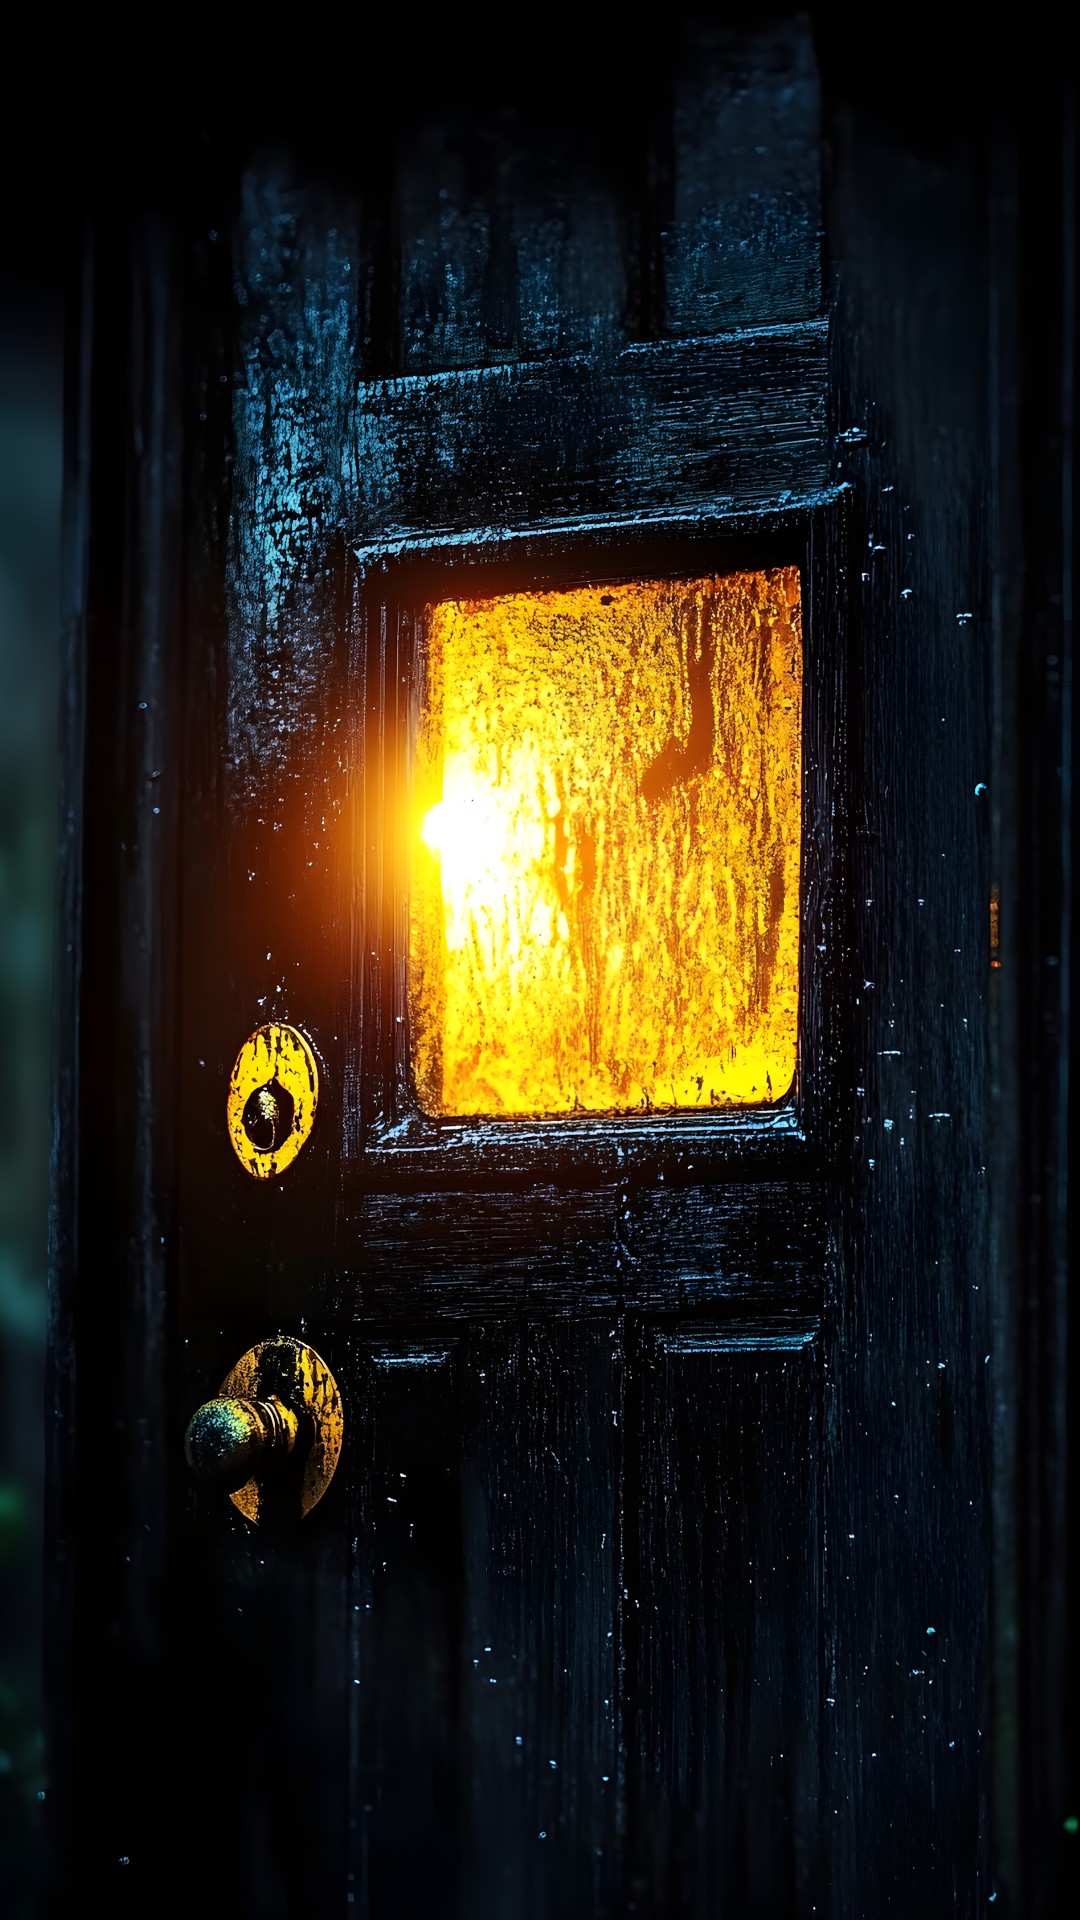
point(406, 1788)
point(540, 1648)
point(653, 1576)
point(723, 1578)
point(580, 1498)
point(742, 216)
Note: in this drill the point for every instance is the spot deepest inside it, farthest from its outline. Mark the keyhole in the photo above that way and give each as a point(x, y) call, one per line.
point(268, 1116)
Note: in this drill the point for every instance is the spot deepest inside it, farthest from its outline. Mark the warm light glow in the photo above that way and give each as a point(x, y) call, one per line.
point(606, 870)
point(472, 830)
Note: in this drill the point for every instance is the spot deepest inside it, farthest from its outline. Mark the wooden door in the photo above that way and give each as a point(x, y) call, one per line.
point(654, 1575)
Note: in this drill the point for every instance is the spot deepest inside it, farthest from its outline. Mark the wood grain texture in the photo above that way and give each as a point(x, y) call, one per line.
point(695, 1469)
point(1032, 510)
point(110, 1403)
point(742, 243)
point(511, 1534)
point(323, 458)
point(407, 1786)
point(907, 1405)
point(417, 1151)
point(596, 1250)
point(500, 1593)
point(541, 1447)
point(739, 418)
point(721, 1571)
point(736, 422)
point(256, 1714)
point(512, 238)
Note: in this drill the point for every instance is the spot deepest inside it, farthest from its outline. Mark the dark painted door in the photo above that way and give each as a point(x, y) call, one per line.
point(653, 1577)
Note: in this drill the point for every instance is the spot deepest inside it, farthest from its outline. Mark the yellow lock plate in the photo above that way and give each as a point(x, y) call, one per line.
point(273, 1094)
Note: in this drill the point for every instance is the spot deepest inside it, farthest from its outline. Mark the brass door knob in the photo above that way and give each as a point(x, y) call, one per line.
point(272, 1438)
point(231, 1441)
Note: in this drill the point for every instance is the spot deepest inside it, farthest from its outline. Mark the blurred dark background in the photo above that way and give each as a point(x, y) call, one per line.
point(31, 388)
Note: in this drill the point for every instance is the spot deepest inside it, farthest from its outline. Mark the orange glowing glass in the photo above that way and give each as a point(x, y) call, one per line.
point(606, 846)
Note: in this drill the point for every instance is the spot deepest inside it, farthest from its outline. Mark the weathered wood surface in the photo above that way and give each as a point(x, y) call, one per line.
point(722, 1573)
point(323, 463)
point(512, 239)
point(562, 1250)
point(905, 1571)
point(695, 1472)
point(507, 1492)
point(742, 242)
point(419, 1151)
point(738, 418)
point(111, 1416)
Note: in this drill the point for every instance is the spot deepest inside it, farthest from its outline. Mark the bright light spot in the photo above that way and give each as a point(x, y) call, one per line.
point(485, 838)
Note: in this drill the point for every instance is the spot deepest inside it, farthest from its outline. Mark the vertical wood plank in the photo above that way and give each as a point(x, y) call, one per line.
point(723, 1633)
point(260, 1654)
point(301, 294)
point(514, 241)
point(541, 1466)
point(906, 1587)
point(742, 244)
point(407, 1785)
point(114, 1153)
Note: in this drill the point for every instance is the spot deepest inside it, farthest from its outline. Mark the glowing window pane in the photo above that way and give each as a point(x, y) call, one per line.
point(605, 886)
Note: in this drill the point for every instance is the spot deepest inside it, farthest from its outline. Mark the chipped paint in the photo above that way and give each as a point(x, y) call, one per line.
point(279, 1405)
point(275, 1065)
